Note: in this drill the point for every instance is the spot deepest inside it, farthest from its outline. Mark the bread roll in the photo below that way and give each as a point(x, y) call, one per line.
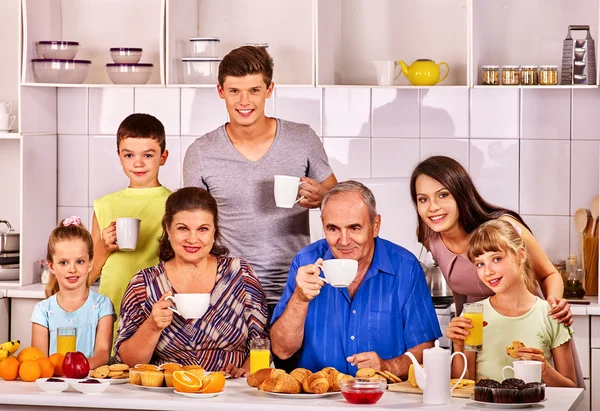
point(316, 383)
point(257, 378)
point(334, 378)
point(283, 383)
point(300, 374)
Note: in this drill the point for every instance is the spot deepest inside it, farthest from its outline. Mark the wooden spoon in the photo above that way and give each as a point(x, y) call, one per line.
point(581, 218)
point(595, 209)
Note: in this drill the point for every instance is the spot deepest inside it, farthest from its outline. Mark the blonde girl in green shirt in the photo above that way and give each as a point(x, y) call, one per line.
point(514, 313)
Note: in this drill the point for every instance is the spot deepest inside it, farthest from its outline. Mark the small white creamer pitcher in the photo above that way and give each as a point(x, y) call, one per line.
point(434, 379)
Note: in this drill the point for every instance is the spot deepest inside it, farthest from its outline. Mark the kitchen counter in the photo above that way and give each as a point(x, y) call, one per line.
point(237, 395)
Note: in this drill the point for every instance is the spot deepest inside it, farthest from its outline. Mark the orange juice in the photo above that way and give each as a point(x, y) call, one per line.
point(66, 343)
point(259, 359)
point(474, 341)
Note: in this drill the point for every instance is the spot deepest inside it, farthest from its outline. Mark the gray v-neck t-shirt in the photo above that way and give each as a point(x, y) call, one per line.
point(251, 225)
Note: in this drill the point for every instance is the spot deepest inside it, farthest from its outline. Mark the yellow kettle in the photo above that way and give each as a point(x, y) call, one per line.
point(424, 72)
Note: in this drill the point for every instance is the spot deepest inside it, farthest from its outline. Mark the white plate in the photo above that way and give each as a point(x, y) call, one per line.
point(112, 381)
point(304, 396)
point(154, 388)
point(198, 395)
point(506, 405)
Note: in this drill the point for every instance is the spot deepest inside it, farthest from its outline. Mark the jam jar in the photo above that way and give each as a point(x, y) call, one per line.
point(490, 75)
point(511, 75)
point(548, 75)
point(529, 75)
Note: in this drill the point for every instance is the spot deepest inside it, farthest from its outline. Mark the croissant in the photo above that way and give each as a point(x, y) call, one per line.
point(284, 383)
point(257, 378)
point(316, 383)
point(300, 374)
point(334, 378)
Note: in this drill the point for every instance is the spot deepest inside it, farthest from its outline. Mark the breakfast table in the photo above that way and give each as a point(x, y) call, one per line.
point(23, 396)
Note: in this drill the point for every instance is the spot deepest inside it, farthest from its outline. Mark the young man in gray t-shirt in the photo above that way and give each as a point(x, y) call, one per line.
point(237, 163)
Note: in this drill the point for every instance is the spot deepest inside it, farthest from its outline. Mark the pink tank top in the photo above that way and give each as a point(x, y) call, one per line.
point(461, 276)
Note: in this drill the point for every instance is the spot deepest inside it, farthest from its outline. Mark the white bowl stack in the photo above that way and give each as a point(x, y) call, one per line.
point(56, 63)
point(202, 67)
point(126, 68)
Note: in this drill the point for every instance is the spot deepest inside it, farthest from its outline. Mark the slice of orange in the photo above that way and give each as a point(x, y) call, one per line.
point(185, 381)
point(212, 383)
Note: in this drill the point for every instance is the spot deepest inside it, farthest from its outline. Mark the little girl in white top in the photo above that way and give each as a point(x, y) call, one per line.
point(514, 313)
point(70, 302)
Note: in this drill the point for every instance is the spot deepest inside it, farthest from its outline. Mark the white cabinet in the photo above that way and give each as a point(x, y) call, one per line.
point(4, 319)
point(581, 327)
point(595, 385)
point(20, 315)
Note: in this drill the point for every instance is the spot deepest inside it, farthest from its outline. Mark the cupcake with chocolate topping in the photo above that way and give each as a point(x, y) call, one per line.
point(532, 392)
point(508, 392)
point(483, 390)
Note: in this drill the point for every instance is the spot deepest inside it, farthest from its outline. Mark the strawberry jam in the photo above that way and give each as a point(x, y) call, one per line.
point(54, 380)
point(363, 396)
point(90, 381)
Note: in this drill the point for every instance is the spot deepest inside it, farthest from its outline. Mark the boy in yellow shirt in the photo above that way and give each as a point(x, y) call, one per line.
point(141, 145)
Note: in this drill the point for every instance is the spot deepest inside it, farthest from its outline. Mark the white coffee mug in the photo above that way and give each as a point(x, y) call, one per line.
point(191, 305)
point(526, 370)
point(5, 107)
point(286, 191)
point(128, 231)
point(6, 121)
point(387, 72)
point(339, 272)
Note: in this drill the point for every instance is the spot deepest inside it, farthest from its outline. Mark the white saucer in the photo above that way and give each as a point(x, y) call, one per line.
point(198, 395)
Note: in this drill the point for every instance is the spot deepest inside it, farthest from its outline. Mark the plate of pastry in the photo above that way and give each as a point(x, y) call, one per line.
point(497, 405)
point(299, 383)
point(304, 396)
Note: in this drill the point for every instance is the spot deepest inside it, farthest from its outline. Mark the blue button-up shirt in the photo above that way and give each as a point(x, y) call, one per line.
point(391, 311)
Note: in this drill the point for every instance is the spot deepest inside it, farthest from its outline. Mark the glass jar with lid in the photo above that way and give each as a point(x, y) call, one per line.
point(529, 75)
point(511, 75)
point(490, 75)
point(561, 267)
point(548, 75)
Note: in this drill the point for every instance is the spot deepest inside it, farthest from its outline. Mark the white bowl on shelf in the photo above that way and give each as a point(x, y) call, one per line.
point(96, 388)
point(60, 71)
point(61, 50)
point(126, 55)
point(205, 46)
point(200, 70)
point(52, 387)
point(134, 73)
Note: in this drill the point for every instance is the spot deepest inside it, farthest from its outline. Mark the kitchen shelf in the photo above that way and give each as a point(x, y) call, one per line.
point(9, 136)
point(287, 26)
point(85, 85)
point(559, 86)
point(529, 32)
point(353, 33)
point(97, 25)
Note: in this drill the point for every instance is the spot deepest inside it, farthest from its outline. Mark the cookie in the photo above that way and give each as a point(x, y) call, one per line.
point(366, 373)
point(512, 349)
point(118, 367)
point(100, 372)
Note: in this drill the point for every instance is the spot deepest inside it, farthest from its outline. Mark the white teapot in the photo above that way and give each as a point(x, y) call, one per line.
point(434, 379)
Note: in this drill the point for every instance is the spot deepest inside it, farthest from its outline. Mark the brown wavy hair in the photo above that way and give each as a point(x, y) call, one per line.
point(189, 199)
point(66, 233)
point(473, 210)
point(247, 60)
point(501, 236)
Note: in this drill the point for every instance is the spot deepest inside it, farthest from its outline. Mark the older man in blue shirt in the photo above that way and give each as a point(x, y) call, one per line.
point(384, 312)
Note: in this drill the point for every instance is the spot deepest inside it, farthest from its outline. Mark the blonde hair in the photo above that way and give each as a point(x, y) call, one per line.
point(502, 236)
point(70, 231)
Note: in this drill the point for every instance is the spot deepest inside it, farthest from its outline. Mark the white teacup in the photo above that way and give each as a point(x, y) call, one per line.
point(387, 72)
point(6, 121)
point(526, 370)
point(128, 231)
point(286, 191)
point(5, 107)
point(190, 306)
point(339, 272)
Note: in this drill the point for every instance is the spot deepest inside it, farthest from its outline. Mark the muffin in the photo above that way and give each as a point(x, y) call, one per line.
point(505, 395)
point(169, 377)
point(529, 393)
point(151, 367)
point(195, 369)
point(483, 390)
point(152, 378)
point(135, 376)
point(513, 383)
point(172, 366)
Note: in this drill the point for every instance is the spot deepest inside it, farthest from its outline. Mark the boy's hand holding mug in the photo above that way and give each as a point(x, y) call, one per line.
point(109, 237)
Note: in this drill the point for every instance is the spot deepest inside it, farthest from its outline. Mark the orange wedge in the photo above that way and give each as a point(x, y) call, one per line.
point(212, 383)
point(185, 381)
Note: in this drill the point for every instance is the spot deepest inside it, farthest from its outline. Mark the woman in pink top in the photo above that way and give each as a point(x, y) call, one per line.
point(450, 209)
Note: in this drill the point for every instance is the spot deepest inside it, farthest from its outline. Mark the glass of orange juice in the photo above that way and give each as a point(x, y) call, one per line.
point(474, 312)
point(66, 340)
point(260, 354)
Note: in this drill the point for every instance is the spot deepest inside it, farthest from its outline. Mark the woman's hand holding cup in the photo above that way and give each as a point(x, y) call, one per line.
point(308, 282)
point(161, 316)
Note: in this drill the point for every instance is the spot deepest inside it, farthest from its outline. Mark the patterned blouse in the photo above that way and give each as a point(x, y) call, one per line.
point(237, 314)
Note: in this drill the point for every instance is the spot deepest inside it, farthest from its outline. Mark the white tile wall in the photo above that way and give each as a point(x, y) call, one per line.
point(494, 167)
point(162, 103)
point(444, 113)
point(395, 113)
point(546, 114)
point(534, 166)
point(544, 178)
point(38, 110)
point(108, 108)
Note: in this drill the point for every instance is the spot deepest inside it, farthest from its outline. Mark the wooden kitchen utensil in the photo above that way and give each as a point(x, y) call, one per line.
point(463, 392)
point(581, 218)
point(595, 210)
point(590, 250)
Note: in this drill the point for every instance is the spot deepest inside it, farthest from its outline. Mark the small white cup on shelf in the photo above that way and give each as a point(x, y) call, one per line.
point(5, 107)
point(6, 121)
